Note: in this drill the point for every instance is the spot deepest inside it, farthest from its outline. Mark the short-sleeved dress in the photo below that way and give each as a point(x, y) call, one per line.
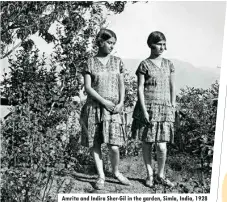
point(158, 104)
point(98, 124)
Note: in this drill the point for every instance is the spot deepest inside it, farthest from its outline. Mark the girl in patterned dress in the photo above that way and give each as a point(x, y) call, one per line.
point(101, 116)
point(154, 114)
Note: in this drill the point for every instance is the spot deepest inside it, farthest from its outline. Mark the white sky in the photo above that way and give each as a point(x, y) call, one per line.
point(194, 30)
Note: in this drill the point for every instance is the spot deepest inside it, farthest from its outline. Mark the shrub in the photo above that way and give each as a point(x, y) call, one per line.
point(195, 134)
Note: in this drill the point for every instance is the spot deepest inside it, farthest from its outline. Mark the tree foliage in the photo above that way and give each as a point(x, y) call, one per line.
point(21, 19)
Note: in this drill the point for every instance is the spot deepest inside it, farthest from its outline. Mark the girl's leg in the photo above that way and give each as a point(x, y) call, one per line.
point(161, 158)
point(146, 148)
point(115, 158)
point(98, 160)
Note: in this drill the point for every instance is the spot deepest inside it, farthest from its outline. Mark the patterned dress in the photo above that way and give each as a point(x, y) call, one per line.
point(98, 124)
point(157, 102)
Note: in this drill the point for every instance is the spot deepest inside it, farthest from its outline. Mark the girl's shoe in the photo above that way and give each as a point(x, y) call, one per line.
point(164, 181)
point(99, 183)
point(122, 179)
point(149, 182)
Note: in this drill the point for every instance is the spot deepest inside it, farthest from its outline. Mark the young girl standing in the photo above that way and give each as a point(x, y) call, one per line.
point(101, 116)
point(154, 111)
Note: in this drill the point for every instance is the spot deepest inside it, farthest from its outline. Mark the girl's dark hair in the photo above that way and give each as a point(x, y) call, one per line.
point(155, 37)
point(103, 35)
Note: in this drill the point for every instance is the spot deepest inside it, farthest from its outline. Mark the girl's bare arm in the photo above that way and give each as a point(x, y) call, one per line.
point(141, 81)
point(119, 106)
point(122, 89)
point(172, 89)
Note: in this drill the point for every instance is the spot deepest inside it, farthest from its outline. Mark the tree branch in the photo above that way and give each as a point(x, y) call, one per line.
point(9, 52)
point(52, 105)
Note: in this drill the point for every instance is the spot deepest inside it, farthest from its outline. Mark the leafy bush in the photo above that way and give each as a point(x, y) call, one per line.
point(196, 129)
point(130, 90)
point(33, 147)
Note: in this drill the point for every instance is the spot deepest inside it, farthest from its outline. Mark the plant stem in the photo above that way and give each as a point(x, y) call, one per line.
point(49, 176)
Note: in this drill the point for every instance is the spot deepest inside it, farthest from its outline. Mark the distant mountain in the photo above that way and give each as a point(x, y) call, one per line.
point(186, 73)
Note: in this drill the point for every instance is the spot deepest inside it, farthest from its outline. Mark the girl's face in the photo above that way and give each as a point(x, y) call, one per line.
point(108, 45)
point(158, 48)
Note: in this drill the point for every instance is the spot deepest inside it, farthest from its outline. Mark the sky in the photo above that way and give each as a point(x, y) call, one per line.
point(194, 30)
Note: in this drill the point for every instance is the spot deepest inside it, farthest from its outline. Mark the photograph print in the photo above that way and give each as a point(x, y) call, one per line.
point(109, 97)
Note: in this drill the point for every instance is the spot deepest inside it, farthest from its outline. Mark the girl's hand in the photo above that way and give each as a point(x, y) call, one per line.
point(146, 118)
point(109, 105)
point(118, 108)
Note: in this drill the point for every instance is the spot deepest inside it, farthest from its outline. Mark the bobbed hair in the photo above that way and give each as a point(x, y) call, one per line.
point(103, 35)
point(154, 38)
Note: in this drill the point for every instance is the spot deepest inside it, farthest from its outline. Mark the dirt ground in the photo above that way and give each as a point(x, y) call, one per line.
point(182, 170)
